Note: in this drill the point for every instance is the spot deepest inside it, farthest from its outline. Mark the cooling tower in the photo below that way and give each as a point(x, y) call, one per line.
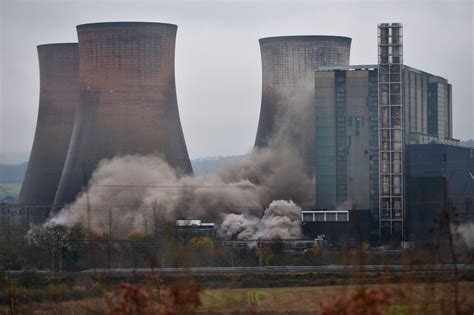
point(58, 101)
point(288, 67)
point(127, 102)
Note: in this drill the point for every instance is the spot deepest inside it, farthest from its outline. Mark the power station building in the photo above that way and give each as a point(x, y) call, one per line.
point(127, 100)
point(378, 139)
point(347, 130)
point(58, 101)
point(366, 119)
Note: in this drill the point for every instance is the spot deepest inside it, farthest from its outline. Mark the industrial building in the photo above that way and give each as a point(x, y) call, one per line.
point(353, 134)
point(365, 117)
point(127, 102)
point(347, 130)
point(378, 139)
point(58, 101)
point(288, 65)
point(339, 227)
point(185, 230)
point(440, 190)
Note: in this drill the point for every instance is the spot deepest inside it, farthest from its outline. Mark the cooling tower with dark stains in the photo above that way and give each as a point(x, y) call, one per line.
point(58, 101)
point(288, 68)
point(127, 103)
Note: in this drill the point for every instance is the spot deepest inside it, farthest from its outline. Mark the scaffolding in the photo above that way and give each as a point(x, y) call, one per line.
point(391, 139)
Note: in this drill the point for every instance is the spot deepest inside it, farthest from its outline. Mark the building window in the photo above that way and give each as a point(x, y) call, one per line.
point(307, 217)
point(384, 117)
point(319, 217)
point(342, 216)
point(331, 217)
point(357, 126)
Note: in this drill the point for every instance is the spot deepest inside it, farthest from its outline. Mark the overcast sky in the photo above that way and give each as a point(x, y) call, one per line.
point(218, 70)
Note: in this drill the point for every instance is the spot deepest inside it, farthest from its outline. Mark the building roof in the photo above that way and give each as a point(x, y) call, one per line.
point(305, 38)
point(373, 67)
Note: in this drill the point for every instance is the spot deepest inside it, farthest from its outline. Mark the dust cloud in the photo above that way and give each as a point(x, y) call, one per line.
point(122, 190)
point(274, 177)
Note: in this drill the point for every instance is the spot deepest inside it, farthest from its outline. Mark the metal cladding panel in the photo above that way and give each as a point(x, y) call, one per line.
point(426, 202)
point(128, 101)
point(357, 114)
point(288, 66)
point(352, 232)
point(58, 101)
point(325, 140)
point(440, 179)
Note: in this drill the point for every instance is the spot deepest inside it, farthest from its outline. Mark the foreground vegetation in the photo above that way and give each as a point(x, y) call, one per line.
point(54, 248)
point(150, 297)
point(410, 292)
point(60, 248)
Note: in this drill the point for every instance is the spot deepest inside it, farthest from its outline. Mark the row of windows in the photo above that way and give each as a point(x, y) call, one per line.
point(325, 216)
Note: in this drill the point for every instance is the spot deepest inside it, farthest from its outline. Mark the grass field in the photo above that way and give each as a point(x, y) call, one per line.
point(405, 298)
point(9, 190)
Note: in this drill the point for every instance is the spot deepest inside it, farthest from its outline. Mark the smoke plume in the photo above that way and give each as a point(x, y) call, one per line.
point(125, 192)
point(466, 231)
point(281, 220)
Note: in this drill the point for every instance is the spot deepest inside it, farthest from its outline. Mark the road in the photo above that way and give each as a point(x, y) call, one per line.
point(291, 269)
point(267, 269)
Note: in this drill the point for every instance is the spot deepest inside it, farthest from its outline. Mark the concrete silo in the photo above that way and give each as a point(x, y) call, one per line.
point(288, 67)
point(127, 102)
point(58, 101)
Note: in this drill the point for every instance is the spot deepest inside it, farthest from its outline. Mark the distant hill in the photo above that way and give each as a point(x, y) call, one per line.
point(11, 177)
point(15, 172)
point(9, 192)
point(212, 164)
point(468, 143)
point(12, 173)
point(14, 157)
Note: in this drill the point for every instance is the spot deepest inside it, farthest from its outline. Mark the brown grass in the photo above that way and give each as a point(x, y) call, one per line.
point(403, 298)
point(182, 297)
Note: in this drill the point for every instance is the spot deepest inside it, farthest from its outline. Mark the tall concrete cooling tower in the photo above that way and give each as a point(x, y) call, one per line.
point(127, 100)
point(288, 66)
point(58, 101)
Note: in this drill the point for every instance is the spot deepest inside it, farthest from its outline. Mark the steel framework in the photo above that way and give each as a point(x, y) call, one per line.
point(391, 125)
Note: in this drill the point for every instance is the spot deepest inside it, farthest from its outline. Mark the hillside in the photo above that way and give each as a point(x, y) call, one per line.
point(11, 177)
point(13, 173)
point(468, 143)
point(212, 164)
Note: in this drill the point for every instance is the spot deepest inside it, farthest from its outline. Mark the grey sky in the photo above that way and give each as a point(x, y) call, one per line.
point(218, 71)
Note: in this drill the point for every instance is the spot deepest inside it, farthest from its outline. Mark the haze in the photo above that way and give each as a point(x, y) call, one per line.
point(218, 70)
